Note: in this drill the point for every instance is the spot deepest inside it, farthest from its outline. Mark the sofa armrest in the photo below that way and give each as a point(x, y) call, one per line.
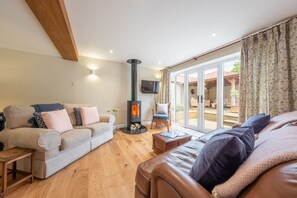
point(34, 138)
point(169, 180)
point(107, 118)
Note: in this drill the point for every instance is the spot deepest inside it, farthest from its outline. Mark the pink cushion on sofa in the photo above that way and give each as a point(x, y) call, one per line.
point(57, 120)
point(89, 115)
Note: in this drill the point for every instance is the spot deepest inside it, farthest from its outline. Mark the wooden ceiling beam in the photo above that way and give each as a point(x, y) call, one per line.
point(53, 17)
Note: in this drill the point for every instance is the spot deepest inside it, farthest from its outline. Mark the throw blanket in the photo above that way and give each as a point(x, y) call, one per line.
point(271, 149)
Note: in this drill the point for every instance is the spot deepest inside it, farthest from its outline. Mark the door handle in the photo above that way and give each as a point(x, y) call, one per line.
point(198, 99)
point(202, 98)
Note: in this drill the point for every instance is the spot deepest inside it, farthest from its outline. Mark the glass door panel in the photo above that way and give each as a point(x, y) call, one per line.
point(231, 92)
point(179, 98)
point(193, 100)
point(206, 97)
point(172, 97)
point(210, 98)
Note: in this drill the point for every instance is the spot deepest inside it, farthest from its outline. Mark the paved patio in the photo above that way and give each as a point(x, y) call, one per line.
point(210, 118)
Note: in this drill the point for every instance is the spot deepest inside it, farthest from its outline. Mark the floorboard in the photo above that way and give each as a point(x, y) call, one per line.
point(106, 172)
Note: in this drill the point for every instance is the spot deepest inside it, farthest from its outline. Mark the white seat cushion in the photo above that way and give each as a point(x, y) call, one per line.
point(97, 128)
point(74, 137)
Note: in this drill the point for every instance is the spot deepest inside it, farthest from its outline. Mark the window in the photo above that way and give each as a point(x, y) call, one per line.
point(205, 97)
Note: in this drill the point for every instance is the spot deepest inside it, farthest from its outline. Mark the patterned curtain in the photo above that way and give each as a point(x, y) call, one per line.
point(268, 74)
point(163, 96)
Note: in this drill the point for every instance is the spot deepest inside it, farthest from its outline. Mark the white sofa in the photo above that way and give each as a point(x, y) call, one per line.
point(53, 151)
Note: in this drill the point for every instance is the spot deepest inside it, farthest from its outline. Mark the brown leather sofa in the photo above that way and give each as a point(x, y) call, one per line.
point(167, 174)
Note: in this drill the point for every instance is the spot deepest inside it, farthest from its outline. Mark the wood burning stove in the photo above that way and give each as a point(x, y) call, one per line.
point(133, 112)
point(134, 105)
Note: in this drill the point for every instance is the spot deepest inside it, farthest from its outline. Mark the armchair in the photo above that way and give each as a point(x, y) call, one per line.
point(161, 115)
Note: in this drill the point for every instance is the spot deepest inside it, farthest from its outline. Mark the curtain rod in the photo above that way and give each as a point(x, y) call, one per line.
point(208, 52)
point(270, 27)
point(232, 43)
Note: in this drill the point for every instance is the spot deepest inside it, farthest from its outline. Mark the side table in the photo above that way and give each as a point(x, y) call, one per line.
point(162, 143)
point(12, 156)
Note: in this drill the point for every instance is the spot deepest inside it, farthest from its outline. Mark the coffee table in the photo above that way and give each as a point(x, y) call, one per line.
point(162, 143)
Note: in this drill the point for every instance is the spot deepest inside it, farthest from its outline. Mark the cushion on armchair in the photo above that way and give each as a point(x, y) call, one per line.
point(162, 108)
point(160, 116)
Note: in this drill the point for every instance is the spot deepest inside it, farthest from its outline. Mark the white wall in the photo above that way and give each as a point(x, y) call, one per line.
point(28, 78)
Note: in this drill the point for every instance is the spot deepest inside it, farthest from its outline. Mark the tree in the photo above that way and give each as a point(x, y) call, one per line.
point(236, 67)
point(234, 94)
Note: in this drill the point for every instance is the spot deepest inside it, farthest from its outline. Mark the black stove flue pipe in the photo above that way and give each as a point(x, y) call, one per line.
point(133, 63)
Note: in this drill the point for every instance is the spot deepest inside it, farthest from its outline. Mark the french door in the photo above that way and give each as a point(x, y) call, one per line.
point(203, 104)
point(205, 97)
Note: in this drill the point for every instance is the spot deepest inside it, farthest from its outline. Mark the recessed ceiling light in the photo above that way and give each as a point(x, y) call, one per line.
point(159, 62)
point(111, 51)
point(213, 35)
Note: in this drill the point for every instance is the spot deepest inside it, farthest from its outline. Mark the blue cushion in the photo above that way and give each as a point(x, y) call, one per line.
point(42, 108)
point(246, 135)
point(39, 120)
point(221, 156)
point(77, 116)
point(208, 135)
point(258, 122)
point(160, 116)
point(47, 107)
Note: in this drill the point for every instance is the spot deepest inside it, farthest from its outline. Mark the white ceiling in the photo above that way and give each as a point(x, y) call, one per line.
point(169, 31)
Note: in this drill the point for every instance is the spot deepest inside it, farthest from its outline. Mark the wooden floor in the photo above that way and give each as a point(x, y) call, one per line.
point(107, 172)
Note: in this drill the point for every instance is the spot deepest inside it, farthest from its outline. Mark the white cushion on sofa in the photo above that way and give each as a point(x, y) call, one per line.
point(57, 120)
point(18, 116)
point(73, 137)
point(69, 109)
point(89, 115)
